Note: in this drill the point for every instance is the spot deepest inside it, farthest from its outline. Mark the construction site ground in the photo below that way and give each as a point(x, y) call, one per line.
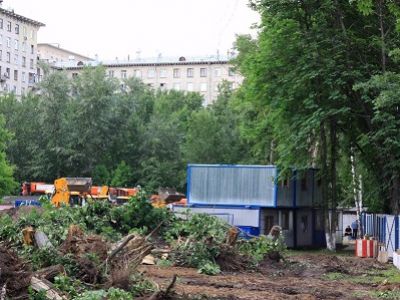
point(303, 275)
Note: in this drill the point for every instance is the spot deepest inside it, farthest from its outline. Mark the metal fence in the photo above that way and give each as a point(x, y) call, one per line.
point(385, 228)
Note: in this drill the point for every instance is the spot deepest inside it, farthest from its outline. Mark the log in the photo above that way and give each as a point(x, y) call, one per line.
point(43, 284)
point(41, 240)
point(50, 272)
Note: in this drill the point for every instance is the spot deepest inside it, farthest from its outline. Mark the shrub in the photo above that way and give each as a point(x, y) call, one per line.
point(258, 248)
point(209, 268)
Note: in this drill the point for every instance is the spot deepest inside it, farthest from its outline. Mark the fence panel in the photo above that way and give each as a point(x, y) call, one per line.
point(385, 228)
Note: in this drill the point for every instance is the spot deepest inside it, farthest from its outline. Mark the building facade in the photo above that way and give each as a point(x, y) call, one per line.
point(253, 198)
point(202, 75)
point(53, 53)
point(18, 52)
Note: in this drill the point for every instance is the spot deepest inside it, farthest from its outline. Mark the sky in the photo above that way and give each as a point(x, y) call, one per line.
point(147, 28)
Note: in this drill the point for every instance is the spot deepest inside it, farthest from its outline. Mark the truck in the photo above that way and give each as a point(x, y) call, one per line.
point(71, 191)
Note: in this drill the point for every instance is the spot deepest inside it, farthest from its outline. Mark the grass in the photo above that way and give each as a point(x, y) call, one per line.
point(374, 277)
point(391, 275)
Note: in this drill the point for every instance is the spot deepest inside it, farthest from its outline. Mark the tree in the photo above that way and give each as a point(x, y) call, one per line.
point(213, 135)
point(7, 182)
point(298, 88)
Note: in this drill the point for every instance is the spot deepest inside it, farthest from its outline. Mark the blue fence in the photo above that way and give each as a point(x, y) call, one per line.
point(384, 228)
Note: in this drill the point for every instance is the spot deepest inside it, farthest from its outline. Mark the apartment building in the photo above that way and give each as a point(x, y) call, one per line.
point(18, 52)
point(193, 74)
point(53, 53)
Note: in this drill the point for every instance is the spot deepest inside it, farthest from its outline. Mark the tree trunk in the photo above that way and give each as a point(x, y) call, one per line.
point(382, 30)
point(330, 238)
point(395, 194)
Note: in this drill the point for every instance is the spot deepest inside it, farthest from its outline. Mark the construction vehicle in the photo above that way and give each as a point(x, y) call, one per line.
point(113, 194)
point(71, 191)
point(167, 196)
point(100, 192)
point(36, 188)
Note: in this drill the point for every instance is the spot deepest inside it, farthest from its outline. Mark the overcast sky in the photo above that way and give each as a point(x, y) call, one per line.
point(121, 27)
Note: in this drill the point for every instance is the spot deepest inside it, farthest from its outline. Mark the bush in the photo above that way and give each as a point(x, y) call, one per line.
point(204, 234)
point(209, 268)
point(258, 248)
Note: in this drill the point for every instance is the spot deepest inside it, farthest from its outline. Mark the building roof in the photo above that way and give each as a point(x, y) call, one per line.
point(11, 14)
point(152, 61)
point(65, 50)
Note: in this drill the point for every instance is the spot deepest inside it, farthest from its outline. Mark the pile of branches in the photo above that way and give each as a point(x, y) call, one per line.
point(211, 245)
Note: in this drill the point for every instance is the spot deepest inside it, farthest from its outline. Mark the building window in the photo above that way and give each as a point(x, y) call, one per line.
point(1, 23)
point(151, 73)
point(304, 223)
point(32, 49)
point(177, 86)
point(23, 77)
point(31, 63)
point(16, 44)
point(163, 73)
point(203, 72)
point(177, 73)
point(23, 61)
point(203, 87)
point(231, 72)
point(1, 39)
point(111, 73)
point(9, 26)
point(285, 220)
point(1, 56)
point(14, 89)
point(217, 72)
point(15, 75)
point(137, 73)
point(8, 42)
point(123, 74)
point(16, 59)
point(7, 72)
point(24, 46)
point(16, 28)
point(268, 223)
point(190, 72)
point(74, 75)
point(8, 57)
point(190, 87)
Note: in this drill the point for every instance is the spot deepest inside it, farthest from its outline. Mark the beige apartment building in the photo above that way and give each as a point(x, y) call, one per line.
point(18, 52)
point(53, 53)
point(195, 74)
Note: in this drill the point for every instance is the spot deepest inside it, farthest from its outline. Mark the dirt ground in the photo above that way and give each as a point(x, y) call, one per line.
point(301, 276)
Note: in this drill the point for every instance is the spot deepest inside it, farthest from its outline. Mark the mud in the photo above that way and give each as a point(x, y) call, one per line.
point(300, 277)
point(15, 275)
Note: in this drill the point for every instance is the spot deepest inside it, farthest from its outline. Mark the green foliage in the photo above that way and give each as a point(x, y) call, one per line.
point(204, 235)
point(258, 248)
point(137, 213)
point(7, 182)
point(34, 295)
point(209, 268)
point(164, 263)
point(122, 175)
point(68, 285)
point(141, 286)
